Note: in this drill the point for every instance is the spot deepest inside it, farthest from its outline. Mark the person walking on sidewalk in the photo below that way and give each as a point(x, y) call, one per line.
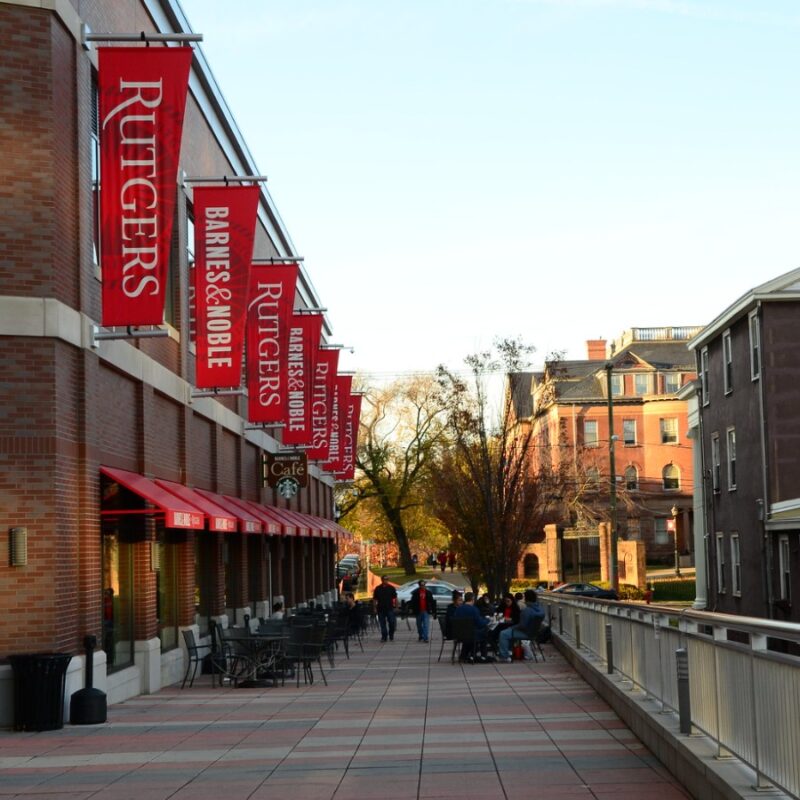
point(451, 560)
point(385, 599)
point(422, 605)
point(443, 560)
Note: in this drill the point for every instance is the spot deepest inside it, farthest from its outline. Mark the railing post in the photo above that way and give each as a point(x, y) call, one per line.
point(684, 701)
point(560, 621)
point(609, 650)
point(577, 631)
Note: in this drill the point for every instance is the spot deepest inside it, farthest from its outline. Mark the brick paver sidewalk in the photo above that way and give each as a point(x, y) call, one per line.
point(392, 724)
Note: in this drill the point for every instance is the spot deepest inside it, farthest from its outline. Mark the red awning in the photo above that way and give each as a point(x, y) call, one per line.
point(290, 526)
point(178, 513)
point(271, 525)
point(308, 521)
point(248, 523)
point(218, 518)
point(302, 526)
point(327, 526)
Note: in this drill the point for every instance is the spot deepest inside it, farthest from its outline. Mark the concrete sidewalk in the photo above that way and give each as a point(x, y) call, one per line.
point(393, 724)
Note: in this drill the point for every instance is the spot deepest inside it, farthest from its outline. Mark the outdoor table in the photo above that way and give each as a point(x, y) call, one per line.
point(257, 653)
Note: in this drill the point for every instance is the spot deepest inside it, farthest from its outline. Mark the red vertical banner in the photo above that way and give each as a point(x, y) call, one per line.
point(142, 98)
point(224, 229)
point(350, 438)
point(269, 317)
point(339, 407)
point(304, 337)
point(327, 363)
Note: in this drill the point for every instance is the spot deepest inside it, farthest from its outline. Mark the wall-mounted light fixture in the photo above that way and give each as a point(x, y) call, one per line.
point(18, 547)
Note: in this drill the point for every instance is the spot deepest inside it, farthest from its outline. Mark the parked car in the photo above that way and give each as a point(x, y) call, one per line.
point(349, 564)
point(586, 590)
point(442, 592)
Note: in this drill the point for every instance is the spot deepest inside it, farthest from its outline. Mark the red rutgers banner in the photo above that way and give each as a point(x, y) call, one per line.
point(350, 438)
point(339, 407)
point(224, 227)
point(327, 363)
point(269, 317)
point(142, 96)
point(304, 336)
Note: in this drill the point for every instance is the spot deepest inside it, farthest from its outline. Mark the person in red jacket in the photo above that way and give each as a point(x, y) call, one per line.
point(423, 606)
point(451, 560)
point(443, 560)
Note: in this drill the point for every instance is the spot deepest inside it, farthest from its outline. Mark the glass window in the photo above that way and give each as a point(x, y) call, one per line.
point(205, 569)
point(629, 431)
point(672, 382)
point(190, 264)
point(672, 477)
point(785, 569)
point(631, 478)
point(617, 385)
point(755, 347)
point(669, 430)
point(727, 355)
point(164, 558)
point(731, 458)
point(118, 599)
point(593, 477)
point(641, 384)
point(590, 433)
point(720, 564)
point(661, 532)
point(715, 462)
point(736, 565)
point(634, 528)
point(704, 388)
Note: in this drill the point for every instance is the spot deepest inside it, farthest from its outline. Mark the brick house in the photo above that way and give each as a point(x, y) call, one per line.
point(748, 361)
point(567, 406)
point(102, 442)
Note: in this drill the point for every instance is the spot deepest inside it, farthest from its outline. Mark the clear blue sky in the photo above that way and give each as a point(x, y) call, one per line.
point(456, 170)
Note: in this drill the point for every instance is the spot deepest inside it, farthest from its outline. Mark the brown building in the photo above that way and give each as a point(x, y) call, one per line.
point(567, 407)
point(132, 507)
point(748, 360)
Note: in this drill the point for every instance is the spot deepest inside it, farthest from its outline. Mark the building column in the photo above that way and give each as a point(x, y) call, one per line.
point(700, 554)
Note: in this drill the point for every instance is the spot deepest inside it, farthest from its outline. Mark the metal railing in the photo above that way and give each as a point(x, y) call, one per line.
point(743, 673)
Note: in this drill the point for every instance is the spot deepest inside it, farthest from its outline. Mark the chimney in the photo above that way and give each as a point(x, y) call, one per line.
point(596, 349)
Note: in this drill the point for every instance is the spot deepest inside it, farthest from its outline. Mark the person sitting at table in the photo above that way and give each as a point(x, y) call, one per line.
point(484, 605)
point(351, 614)
point(510, 614)
point(527, 621)
point(468, 611)
point(458, 600)
point(277, 611)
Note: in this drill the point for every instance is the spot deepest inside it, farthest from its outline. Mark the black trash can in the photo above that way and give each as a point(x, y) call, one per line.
point(39, 681)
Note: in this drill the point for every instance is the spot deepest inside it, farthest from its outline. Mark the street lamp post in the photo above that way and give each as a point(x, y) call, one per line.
point(613, 573)
point(674, 511)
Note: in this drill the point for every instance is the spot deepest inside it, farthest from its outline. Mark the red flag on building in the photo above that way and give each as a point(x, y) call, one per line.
point(304, 336)
point(350, 438)
point(224, 228)
point(339, 407)
point(269, 316)
point(327, 363)
point(142, 97)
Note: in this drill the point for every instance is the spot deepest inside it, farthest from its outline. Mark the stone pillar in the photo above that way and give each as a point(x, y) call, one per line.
point(554, 570)
point(604, 531)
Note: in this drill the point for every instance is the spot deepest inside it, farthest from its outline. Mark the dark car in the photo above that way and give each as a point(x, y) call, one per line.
point(586, 590)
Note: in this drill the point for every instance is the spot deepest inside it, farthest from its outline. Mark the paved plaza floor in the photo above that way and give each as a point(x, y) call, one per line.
point(392, 724)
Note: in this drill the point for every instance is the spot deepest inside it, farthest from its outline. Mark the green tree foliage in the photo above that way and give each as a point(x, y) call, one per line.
point(401, 425)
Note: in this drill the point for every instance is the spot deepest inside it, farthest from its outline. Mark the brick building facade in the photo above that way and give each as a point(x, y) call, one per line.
point(75, 410)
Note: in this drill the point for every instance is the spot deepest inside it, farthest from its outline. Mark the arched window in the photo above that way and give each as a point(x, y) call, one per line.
point(632, 478)
point(672, 477)
point(531, 566)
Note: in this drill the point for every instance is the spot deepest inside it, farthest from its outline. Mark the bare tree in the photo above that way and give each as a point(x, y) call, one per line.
point(487, 489)
point(401, 425)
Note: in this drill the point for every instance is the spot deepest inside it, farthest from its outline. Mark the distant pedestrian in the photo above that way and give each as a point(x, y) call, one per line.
point(385, 599)
point(451, 560)
point(422, 605)
point(415, 559)
point(443, 560)
point(347, 583)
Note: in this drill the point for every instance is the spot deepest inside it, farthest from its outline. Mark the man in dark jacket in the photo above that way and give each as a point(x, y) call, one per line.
point(385, 599)
point(422, 605)
point(469, 611)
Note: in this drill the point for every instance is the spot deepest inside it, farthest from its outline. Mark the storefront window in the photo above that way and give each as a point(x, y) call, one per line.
point(117, 599)
point(204, 560)
point(165, 565)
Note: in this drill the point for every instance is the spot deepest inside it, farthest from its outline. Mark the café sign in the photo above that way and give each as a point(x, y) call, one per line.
point(277, 467)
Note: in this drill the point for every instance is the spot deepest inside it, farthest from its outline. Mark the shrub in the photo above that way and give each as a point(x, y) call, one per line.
point(674, 589)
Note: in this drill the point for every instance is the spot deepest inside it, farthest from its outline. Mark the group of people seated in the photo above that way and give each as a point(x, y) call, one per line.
point(515, 617)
